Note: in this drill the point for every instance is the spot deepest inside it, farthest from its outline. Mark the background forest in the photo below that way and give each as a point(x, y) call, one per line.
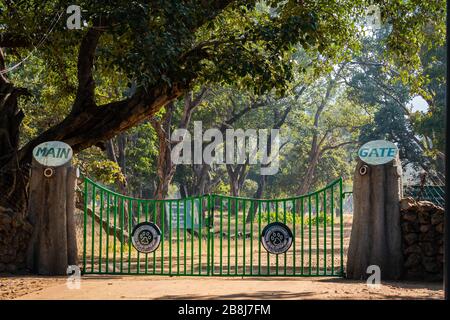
point(332, 101)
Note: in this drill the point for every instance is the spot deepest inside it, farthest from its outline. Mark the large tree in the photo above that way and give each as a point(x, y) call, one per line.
point(162, 46)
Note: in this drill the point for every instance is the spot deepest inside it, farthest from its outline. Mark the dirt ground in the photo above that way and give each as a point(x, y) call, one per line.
point(15, 286)
point(158, 287)
point(165, 287)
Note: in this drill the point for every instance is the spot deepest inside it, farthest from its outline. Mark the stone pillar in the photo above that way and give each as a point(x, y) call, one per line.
point(51, 212)
point(376, 232)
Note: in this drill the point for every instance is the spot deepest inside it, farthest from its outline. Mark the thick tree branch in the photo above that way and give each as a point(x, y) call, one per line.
point(86, 85)
point(331, 147)
point(85, 127)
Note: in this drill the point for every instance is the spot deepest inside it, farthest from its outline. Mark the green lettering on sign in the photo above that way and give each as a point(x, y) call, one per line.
point(374, 153)
point(52, 153)
point(41, 152)
point(378, 152)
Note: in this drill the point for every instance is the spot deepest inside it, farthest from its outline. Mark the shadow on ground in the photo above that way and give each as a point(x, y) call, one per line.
point(255, 295)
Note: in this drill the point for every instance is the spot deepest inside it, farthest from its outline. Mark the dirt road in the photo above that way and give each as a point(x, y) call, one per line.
point(146, 287)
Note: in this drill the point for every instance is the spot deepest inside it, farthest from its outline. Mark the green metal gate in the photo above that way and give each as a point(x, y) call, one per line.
point(213, 234)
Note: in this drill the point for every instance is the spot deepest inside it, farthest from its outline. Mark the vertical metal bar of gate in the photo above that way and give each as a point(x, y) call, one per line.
point(341, 222)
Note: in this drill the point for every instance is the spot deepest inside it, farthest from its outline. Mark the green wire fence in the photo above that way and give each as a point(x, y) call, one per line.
point(213, 234)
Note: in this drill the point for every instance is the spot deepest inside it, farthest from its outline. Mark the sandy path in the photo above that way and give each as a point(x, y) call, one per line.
point(145, 287)
point(16, 286)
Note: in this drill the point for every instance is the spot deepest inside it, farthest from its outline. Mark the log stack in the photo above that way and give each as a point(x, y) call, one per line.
point(422, 224)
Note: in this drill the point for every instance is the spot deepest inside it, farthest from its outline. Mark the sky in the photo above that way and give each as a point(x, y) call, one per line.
point(418, 104)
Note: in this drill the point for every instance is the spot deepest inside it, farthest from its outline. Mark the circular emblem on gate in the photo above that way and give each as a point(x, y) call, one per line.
point(146, 237)
point(276, 238)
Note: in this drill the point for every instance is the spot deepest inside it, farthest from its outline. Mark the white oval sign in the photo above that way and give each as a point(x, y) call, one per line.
point(377, 152)
point(52, 153)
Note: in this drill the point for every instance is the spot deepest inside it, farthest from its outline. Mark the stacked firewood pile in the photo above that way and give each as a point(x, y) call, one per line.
point(422, 225)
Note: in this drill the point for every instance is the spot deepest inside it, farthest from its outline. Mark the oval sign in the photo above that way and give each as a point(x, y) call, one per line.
point(378, 152)
point(146, 237)
point(276, 238)
point(52, 153)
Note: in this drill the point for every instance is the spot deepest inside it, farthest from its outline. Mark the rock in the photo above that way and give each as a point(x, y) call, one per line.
point(2, 267)
point(407, 203)
point(425, 228)
point(411, 238)
point(426, 205)
point(409, 216)
point(428, 249)
point(409, 227)
point(424, 217)
point(413, 260)
point(430, 264)
point(422, 226)
point(415, 248)
point(429, 236)
point(437, 218)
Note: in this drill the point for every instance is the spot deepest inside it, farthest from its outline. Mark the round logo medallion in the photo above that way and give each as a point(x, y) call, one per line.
point(276, 238)
point(146, 237)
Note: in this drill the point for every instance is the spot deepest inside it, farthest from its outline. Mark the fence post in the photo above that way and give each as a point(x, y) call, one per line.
point(51, 209)
point(376, 233)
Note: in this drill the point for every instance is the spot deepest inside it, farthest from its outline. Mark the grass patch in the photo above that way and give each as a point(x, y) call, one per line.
point(320, 219)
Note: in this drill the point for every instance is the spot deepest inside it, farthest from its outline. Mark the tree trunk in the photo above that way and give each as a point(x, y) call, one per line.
point(13, 176)
point(258, 195)
point(237, 175)
point(376, 234)
point(15, 230)
point(201, 178)
point(51, 207)
point(166, 168)
point(120, 183)
point(308, 177)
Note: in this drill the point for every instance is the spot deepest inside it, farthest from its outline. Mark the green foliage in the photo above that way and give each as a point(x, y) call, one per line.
point(106, 171)
point(141, 159)
point(222, 188)
point(375, 85)
point(410, 23)
point(247, 53)
point(320, 219)
point(248, 42)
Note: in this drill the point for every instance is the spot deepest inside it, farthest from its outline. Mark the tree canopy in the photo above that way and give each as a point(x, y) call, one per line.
point(133, 58)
